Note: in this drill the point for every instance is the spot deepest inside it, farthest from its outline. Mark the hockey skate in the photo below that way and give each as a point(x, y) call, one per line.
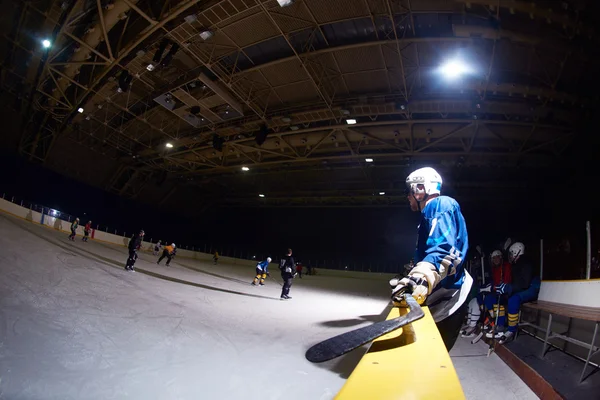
point(495, 333)
point(469, 332)
point(502, 337)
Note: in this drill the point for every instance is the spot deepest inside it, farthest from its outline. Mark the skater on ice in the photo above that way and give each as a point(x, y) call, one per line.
point(299, 269)
point(287, 266)
point(216, 257)
point(134, 245)
point(169, 252)
point(74, 226)
point(157, 248)
point(262, 271)
point(524, 287)
point(87, 229)
point(438, 278)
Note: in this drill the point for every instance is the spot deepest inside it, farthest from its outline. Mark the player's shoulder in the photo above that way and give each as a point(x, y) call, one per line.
point(440, 205)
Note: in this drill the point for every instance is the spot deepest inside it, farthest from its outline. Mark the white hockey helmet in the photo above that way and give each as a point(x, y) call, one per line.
point(496, 253)
point(173, 244)
point(515, 250)
point(428, 177)
point(269, 259)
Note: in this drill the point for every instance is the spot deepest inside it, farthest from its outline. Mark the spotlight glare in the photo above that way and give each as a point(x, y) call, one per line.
point(285, 3)
point(261, 195)
point(46, 43)
point(381, 193)
point(169, 145)
point(454, 69)
point(368, 159)
point(80, 110)
point(207, 34)
point(351, 121)
point(245, 169)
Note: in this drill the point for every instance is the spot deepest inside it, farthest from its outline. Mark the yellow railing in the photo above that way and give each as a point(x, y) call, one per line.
point(409, 363)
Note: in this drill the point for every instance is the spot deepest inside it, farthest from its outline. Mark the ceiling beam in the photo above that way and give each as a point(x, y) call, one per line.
point(221, 92)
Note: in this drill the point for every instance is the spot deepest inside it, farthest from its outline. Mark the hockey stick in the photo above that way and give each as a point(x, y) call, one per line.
point(482, 331)
point(479, 336)
point(480, 251)
point(346, 342)
point(275, 280)
point(495, 330)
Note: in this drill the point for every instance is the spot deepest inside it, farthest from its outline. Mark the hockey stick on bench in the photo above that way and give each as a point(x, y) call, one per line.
point(346, 342)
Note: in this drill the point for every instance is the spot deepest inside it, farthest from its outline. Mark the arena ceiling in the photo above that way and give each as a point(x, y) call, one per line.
point(327, 85)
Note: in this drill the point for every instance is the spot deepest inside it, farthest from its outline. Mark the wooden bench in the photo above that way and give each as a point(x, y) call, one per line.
point(570, 311)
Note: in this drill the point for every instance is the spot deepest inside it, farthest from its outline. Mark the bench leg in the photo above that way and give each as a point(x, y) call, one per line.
point(587, 361)
point(547, 334)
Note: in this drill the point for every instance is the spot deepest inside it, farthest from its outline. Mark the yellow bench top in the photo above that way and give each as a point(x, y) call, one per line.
point(409, 363)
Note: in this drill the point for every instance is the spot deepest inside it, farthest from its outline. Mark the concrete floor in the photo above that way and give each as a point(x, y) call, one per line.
point(484, 377)
point(75, 325)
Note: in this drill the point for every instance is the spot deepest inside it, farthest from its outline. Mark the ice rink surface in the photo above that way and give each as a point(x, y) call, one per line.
point(75, 325)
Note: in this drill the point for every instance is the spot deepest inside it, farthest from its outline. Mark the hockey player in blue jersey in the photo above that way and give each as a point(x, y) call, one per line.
point(262, 270)
point(438, 278)
point(524, 287)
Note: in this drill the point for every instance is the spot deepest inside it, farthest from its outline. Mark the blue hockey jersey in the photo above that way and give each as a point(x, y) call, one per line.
point(263, 266)
point(443, 241)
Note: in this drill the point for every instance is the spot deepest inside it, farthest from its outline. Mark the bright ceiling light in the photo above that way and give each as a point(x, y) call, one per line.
point(207, 34)
point(80, 110)
point(368, 159)
point(381, 193)
point(169, 145)
point(454, 69)
point(46, 43)
point(261, 195)
point(245, 169)
point(285, 3)
point(190, 19)
point(351, 121)
point(150, 67)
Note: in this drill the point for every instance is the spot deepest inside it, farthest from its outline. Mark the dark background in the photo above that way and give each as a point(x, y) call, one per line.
point(379, 238)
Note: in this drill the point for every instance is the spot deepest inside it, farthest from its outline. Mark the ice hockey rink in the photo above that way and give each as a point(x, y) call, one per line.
point(75, 325)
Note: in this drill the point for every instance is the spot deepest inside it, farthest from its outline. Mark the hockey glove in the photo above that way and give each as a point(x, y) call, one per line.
point(420, 282)
point(503, 288)
point(486, 289)
point(418, 287)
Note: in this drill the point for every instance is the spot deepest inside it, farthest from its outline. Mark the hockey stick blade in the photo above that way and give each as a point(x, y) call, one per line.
point(346, 342)
point(477, 338)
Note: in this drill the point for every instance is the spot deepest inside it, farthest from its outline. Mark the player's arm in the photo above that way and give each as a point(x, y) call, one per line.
point(443, 253)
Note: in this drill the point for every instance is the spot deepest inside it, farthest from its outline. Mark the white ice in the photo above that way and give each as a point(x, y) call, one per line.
point(75, 325)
